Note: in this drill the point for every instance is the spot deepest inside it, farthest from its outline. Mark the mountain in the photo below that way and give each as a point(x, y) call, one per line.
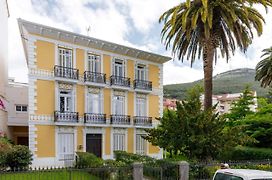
point(233, 81)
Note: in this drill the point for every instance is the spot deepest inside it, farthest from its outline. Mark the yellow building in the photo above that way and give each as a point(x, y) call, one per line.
point(90, 95)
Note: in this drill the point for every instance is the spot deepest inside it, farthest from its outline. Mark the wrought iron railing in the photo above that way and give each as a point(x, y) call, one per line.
point(65, 116)
point(142, 84)
point(120, 119)
point(94, 118)
point(142, 121)
point(120, 81)
point(94, 77)
point(66, 72)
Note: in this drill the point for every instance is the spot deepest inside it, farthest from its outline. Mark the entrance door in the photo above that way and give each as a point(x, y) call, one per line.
point(22, 140)
point(94, 144)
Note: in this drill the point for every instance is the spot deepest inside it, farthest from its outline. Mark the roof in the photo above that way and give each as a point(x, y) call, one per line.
point(74, 38)
point(250, 173)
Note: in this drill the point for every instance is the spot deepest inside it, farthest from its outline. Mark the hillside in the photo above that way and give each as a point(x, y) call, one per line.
point(233, 81)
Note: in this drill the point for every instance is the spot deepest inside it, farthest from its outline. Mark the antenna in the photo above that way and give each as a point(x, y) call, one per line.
point(88, 30)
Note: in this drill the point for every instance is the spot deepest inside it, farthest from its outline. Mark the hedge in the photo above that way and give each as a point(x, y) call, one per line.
point(252, 153)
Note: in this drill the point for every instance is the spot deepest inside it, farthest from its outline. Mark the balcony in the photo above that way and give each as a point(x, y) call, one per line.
point(70, 117)
point(142, 121)
point(120, 81)
point(142, 84)
point(93, 118)
point(94, 77)
point(120, 119)
point(66, 72)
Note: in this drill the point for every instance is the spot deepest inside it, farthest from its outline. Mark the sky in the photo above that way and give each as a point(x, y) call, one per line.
point(128, 22)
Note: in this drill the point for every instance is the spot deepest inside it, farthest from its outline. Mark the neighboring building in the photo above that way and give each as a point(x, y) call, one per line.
point(225, 101)
point(17, 108)
point(170, 104)
point(4, 14)
point(90, 95)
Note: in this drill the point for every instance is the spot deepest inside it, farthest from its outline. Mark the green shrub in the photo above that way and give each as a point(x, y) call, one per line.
point(129, 158)
point(86, 159)
point(5, 147)
point(18, 157)
point(250, 153)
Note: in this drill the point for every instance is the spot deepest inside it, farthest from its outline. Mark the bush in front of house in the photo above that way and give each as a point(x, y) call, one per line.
point(129, 158)
point(18, 157)
point(85, 159)
point(5, 147)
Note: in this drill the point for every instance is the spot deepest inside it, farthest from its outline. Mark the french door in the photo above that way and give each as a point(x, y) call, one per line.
point(66, 146)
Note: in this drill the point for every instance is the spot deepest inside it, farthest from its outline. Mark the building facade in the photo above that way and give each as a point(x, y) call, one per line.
point(90, 95)
point(4, 14)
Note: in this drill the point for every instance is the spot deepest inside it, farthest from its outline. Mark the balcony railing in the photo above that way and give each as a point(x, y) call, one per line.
point(142, 121)
point(66, 116)
point(120, 119)
point(142, 84)
point(94, 118)
point(120, 81)
point(94, 77)
point(66, 72)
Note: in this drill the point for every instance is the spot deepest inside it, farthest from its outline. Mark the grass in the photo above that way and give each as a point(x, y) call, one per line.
point(48, 175)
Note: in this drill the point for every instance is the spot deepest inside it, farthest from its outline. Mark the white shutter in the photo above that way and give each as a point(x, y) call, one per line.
point(66, 146)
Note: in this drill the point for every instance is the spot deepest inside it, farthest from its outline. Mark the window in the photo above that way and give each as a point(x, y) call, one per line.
point(21, 108)
point(66, 146)
point(140, 144)
point(93, 63)
point(119, 68)
point(119, 105)
point(141, 106)
point(141, 72)
point(94, 103)
point(118, 142)
point(221, 176)
point(65, 57)
point(65, 101)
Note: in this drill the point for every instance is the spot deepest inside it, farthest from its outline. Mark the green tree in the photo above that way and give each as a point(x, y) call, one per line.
point(241, 107)
point(205, 28)
point(259, 124)
point(264, 68)
point(194, 132)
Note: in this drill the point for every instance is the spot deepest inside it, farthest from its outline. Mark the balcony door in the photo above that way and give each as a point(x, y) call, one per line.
point(65, 57)
point(94, 103)
point(119, 105)
point(119, 68)
point(141, 72)
point(66, 102)
point(141, 106)
point(140, 144)
point(93, 63)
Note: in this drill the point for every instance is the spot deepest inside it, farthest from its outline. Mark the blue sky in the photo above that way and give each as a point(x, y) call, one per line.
point(128, 22)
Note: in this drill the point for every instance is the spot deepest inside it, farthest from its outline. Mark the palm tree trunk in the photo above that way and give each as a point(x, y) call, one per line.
point(208, 55)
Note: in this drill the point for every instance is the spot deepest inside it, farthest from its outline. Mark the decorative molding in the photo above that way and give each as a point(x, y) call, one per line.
point(65, 86)
point(93, 90)
point(119, 93)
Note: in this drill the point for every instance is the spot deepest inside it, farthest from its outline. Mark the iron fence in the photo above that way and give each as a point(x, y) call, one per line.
point(164, 172)
point(103, 173)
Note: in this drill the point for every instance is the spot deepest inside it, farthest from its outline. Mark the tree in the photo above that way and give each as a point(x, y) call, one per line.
point(241, 107)
point(204, 28)
point(259, 124)
point(194, 132)
point(264, 68)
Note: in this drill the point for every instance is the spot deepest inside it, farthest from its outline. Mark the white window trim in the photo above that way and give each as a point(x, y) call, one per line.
point(21, 108)
point(145, 69)
point(57, 97)
point(112, 102)
point(101, 99)
point(142, 132)
point(67, 46)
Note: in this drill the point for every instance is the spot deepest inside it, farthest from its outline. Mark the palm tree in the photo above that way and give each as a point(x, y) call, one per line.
point(203, 28)
point(264, 68)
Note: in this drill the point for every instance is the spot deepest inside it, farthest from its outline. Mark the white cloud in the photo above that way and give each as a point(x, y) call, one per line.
point(115, 21)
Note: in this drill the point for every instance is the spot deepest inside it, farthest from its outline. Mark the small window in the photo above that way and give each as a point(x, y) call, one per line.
point(21, 108)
